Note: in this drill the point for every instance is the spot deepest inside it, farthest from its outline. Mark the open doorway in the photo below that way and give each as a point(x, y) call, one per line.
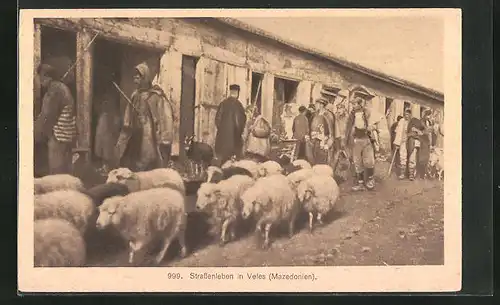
point(388, 104)
point(56, 43)
point(407, 105)
point(114, 63)
point(188, 100)
point(285, 93)
point(256, 92)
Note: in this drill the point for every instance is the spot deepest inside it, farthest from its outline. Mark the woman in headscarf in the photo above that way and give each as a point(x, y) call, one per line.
point(146, 136)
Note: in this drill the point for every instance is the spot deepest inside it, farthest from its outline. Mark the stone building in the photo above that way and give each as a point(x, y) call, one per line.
point(195, 59)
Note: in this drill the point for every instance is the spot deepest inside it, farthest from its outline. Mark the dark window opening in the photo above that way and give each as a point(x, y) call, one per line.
point(407, 105)
point(114, 63)
point(388, 104)
point(330, 93)
point(256, 95)
point(56, 43)
point(285, 92)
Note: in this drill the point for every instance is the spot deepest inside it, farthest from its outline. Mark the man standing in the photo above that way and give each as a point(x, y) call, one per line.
point(358, 134)
point(320, 133)
point(145, 140)
point(300, 130)
point(427, 141)
point(401, 142)
point(230, 120)
point(330, 117)
point(56, 122)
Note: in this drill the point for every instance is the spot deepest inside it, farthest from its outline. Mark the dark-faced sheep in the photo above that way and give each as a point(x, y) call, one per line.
point(57, 243)
point(146, 216)
point(216, 174)
point(271, 200)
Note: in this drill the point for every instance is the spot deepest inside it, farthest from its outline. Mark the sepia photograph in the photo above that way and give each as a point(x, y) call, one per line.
point(240, 150)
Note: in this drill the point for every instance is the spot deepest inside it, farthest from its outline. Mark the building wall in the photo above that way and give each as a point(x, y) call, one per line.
point(211, 39)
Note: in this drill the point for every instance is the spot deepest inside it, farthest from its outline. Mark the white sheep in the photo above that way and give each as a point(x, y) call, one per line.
point(270, 168)
point(144, 216)
point(57, 182)
point(297, 177)
point(323, 169)
point(302, 163)
point(318, 194)
point(57, 243)
point(271, 200)
point(141, 181)
point(222, 202)
point(70, 205)
point(249, 165)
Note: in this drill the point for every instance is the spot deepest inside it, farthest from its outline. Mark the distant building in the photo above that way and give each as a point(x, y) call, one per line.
point(195, 60)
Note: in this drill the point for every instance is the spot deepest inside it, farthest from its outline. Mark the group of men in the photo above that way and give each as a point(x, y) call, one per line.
point(413, 139)
point(145, 137)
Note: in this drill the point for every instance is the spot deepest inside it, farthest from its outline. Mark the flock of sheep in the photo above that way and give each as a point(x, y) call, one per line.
point(148, 207)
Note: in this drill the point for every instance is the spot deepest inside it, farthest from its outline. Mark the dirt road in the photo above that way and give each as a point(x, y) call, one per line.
point(401, 223)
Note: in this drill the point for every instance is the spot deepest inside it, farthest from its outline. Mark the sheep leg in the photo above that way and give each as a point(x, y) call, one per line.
point(182, 242)
point(311, 217)
point(166, 243)
point(291, 225)
point(265, 245)
point(320, 221)
point(232, 231)
point(223, 233)
point(135, 247)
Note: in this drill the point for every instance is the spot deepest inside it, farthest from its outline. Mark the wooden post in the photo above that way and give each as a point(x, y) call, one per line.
point(37, 46)
point(268, 97)
point(84, 93)
point(37, 58)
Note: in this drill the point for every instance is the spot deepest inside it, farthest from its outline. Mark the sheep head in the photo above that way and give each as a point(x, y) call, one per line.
point(208, 194)
point(119, 175)
point(304, 192)
point(108, 212)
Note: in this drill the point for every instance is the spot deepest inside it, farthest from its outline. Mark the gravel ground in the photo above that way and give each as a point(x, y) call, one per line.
point(401, 223)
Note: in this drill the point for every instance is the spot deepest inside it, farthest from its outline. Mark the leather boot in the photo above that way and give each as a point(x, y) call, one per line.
point(370, 180)
point(401, 172)
point(359, 184)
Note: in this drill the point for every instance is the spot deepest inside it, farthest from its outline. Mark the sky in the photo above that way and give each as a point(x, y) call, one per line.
point(410, 48)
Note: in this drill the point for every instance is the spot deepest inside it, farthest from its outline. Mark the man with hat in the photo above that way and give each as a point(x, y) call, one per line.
point(320, 133)
point(230, 121)
point(145, 140)
point(358, 135)
point(300, 130)
point(55, 125)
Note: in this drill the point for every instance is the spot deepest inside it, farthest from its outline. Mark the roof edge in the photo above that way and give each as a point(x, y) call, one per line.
point(437, 95)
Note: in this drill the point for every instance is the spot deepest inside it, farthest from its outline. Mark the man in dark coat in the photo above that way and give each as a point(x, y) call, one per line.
point(145, 140)
point(300, 130)
point(416, 132)
point(427, 141)
point(230, 121)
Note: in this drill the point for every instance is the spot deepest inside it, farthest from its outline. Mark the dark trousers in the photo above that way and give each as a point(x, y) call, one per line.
point(59, 156)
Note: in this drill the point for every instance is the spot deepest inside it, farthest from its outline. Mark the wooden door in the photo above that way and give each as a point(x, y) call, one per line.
point(267, 103)
point(169, 78)
point(415, 110)
point(210, 91)
point(239, 76)
point(303, 96)
point(278, 103)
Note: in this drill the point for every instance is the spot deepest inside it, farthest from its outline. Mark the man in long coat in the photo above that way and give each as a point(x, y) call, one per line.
point(320, 133)
point(427, 141)
point(416, 134)
point(230, 121)
point(145, 141)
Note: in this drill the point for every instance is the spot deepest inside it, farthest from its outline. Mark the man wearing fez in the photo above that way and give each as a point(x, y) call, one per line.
point(145, 140)
point(320, 133)
point(359, 137)
point(230, 120)
point(55, 125)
